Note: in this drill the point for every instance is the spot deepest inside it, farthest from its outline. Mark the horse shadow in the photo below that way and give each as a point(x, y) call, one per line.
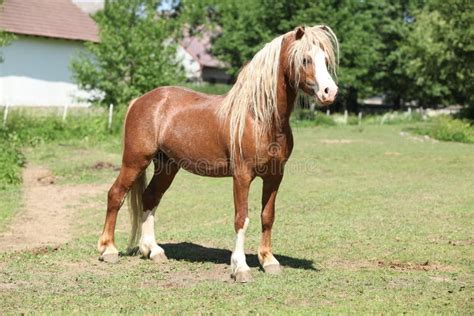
point(192, 252)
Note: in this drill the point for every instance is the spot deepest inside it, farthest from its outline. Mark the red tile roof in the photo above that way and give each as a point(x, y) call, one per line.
point(49, 18)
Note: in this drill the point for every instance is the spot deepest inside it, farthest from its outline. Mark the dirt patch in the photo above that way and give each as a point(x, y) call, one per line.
point(419, 139)
point(394, 265)
point(186, 278)
point(346, 141)
point(339, 141)
point(100, 165)
point(409, 266)
point(48, 211)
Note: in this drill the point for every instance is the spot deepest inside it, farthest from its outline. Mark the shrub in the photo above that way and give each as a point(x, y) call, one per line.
point(11, 160)
point(446, 128)
point(304, 117)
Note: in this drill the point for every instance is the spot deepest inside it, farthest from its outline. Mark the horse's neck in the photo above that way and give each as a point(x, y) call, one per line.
point(286, 96)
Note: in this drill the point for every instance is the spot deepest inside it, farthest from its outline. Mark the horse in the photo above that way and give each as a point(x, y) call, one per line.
point(243, 134)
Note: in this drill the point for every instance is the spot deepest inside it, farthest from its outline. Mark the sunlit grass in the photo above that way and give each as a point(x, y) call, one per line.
point(368, 221)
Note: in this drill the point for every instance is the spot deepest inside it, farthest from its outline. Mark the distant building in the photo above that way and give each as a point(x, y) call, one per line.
point(48, 33)
point(198, 61)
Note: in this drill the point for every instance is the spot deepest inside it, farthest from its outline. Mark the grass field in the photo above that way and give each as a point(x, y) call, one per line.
point(368, 221)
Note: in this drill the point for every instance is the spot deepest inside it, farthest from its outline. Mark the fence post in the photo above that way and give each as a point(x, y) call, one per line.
point(65, 112)
point(360, 118)
point(5, 115)
point(111, 111)
point(345, 117)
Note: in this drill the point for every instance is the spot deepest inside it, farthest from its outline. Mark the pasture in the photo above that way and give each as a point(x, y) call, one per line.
point(368, 220)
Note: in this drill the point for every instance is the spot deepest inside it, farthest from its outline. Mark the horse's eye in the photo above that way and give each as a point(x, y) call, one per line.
point(306, 61)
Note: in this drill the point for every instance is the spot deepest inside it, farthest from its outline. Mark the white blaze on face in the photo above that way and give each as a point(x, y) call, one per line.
point(326, 88)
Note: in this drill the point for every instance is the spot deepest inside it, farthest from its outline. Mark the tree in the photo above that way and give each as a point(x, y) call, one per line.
point(135, 54)
point(248, 24)
point(439, 53)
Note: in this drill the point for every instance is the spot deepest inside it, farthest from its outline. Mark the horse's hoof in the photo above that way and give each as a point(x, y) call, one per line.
point(109, 257)
point(273, 269)
point(243, 277)
point(159, 257)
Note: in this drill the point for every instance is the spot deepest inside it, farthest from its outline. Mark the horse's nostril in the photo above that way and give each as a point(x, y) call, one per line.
point(326, 90)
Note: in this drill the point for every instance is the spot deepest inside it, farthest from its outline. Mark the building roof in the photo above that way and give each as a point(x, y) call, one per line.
point(200, 48)
point(49, 18)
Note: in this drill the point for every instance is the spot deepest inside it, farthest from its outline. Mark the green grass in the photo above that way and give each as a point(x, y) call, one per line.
point(367, 222)
point(10, 197)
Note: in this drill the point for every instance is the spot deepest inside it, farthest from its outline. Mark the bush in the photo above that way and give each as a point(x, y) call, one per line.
point(11, 160)
point(446, 128)
point(305, 117)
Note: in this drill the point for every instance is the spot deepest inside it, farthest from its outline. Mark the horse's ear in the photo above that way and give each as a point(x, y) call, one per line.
point(299, 32)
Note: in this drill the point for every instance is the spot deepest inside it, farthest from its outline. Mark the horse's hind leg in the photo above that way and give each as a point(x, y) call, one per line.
point(129, 173)
point(165, 172)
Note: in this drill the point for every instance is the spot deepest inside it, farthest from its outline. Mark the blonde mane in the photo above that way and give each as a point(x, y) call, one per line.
point(255, 90)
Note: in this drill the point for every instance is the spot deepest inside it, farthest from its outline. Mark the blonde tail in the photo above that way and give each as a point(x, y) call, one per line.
point(135, 208)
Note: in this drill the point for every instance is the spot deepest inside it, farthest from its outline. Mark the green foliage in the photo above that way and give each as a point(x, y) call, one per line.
point(408, 50)
point(447, 129)
point(439, 53)
point(5, 39)
point(11, 160)
point(135, 54)
point(218, 89)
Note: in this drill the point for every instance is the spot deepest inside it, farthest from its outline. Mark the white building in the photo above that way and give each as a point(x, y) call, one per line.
point(48, 33)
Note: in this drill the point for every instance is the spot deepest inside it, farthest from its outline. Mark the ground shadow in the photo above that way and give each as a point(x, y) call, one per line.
point(196, 253)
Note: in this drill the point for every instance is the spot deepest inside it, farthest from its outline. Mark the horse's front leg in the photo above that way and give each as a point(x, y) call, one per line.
point(240, 269)
point(265, 255)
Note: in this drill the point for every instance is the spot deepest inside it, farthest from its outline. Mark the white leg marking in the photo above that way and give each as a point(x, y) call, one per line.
point(237, 260)
point(148, 245)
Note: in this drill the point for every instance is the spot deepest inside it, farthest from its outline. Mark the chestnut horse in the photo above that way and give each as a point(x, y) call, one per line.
point(243, 134)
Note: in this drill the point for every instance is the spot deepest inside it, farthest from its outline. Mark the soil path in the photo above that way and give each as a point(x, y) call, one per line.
point(47, 212)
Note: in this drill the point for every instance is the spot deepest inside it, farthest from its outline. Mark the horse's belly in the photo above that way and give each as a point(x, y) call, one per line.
point(199, 164)
point(207, 169)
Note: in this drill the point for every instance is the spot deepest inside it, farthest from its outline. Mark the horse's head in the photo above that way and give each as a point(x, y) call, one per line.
point(312, 61)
